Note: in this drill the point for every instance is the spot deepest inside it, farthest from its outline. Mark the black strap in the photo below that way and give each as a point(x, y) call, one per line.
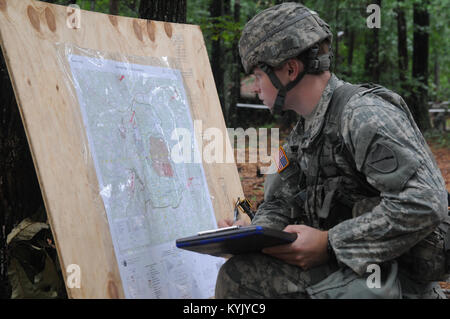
point(272, 76)
point(340, 98)
point(282, 90)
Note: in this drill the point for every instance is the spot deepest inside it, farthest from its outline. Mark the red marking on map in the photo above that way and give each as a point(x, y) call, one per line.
point(122, 77)
point(132, 182)
point(189, 184)
point(160, 157)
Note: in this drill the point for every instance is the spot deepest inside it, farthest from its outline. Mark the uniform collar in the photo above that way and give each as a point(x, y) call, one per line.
point(318, 116)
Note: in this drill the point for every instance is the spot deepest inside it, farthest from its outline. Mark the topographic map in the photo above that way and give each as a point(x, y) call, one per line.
point(130, 114)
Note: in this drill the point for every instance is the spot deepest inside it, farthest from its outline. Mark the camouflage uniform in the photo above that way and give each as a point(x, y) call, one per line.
point(407, 202)
point(364, 173)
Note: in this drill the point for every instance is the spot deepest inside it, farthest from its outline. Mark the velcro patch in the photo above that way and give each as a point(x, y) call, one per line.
point(282, 161)
point(382, 159)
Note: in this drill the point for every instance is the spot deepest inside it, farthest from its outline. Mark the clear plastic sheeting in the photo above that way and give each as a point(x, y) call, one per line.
point(131, 110)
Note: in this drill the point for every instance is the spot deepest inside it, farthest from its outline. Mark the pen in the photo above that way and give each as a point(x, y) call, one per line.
point(218, 230)
point(236, 211)
point(246, 207)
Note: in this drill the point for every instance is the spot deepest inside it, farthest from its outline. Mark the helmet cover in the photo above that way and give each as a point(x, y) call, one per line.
point(279, 33)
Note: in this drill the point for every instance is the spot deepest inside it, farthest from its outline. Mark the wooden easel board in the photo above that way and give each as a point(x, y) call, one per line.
point(31, 33)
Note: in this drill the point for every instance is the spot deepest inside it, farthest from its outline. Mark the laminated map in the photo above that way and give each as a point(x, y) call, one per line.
point(132, 115)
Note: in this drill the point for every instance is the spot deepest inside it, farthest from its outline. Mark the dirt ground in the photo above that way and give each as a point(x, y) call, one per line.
point(252, 181)
point(442, 155)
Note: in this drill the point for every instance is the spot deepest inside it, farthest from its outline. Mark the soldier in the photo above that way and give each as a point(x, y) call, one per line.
point(356, 180)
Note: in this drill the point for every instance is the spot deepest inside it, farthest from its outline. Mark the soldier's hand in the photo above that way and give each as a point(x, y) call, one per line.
point(307, 251)
point(229, 222)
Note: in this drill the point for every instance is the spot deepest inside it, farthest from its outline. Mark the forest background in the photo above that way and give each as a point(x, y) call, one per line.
point(408, 54)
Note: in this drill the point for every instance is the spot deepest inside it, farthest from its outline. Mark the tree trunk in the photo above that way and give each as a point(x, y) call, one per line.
point(216, 11)
point(350, 42)
point(402, 46)
point(227, 64)
point(236, 72)
point(163, 10)
point(421, 22)
point(227, 7)
point(114, 7)
point(336, 47)
point(351, 49)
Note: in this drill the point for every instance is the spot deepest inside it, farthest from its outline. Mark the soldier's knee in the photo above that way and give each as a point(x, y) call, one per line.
point(227, 282)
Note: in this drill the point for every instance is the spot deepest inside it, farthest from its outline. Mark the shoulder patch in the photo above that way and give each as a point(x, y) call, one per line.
point(282, 161)
point(390, 165)
point(382, 159)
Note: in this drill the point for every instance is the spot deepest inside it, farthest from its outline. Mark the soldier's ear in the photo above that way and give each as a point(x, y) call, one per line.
point(295, 67)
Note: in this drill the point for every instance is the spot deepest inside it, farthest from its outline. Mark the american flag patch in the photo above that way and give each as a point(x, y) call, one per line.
point(283, 161)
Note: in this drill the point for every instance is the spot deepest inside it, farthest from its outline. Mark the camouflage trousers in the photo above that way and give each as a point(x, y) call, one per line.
point(261, 276)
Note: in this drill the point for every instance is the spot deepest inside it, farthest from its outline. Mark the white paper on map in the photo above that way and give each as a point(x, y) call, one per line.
point(130, 112)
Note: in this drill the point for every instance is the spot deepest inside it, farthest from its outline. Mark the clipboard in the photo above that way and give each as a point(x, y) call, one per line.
point(235, 240)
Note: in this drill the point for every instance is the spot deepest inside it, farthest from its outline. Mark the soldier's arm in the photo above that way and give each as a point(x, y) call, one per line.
point(391, 154)
point(274, 211)
point(279, 207)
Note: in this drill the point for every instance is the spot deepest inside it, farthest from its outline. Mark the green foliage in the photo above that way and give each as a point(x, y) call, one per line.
point(438, 138)
point(342, 15)
point(440, 47)
point(220, 28)
point(223, 28)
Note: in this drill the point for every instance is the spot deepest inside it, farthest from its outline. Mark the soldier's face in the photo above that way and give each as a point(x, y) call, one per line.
point(267, 93)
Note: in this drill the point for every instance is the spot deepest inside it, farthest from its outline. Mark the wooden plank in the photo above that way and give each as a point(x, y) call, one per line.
point(29, 31)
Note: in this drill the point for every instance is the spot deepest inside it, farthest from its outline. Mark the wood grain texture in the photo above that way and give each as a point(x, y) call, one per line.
point(29, 31)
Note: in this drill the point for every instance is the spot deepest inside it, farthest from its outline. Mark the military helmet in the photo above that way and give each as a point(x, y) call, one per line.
point(281, 32)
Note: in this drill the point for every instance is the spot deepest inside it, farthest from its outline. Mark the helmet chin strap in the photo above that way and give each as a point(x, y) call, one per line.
point(282, 90)
point(313, 64)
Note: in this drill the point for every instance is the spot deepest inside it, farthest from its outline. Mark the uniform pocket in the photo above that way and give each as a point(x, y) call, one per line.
point(426, 261)
point(346, 284)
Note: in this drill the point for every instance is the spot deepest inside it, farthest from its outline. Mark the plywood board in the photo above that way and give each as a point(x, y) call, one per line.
point(29, 33)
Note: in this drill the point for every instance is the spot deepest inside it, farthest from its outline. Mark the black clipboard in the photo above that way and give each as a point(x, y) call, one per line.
point(235, 240)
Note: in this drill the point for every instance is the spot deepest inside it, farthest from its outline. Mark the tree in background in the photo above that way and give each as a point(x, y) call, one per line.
point(216, 9)
point(402, 44)
point(362, 54)
point(163, 10)
point(372, 64)
point(235, 87)
point(113, 6)
point(419, 100)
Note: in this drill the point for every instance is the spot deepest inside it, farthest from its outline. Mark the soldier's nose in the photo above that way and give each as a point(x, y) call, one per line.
point(254, 85)
point(256, 89)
